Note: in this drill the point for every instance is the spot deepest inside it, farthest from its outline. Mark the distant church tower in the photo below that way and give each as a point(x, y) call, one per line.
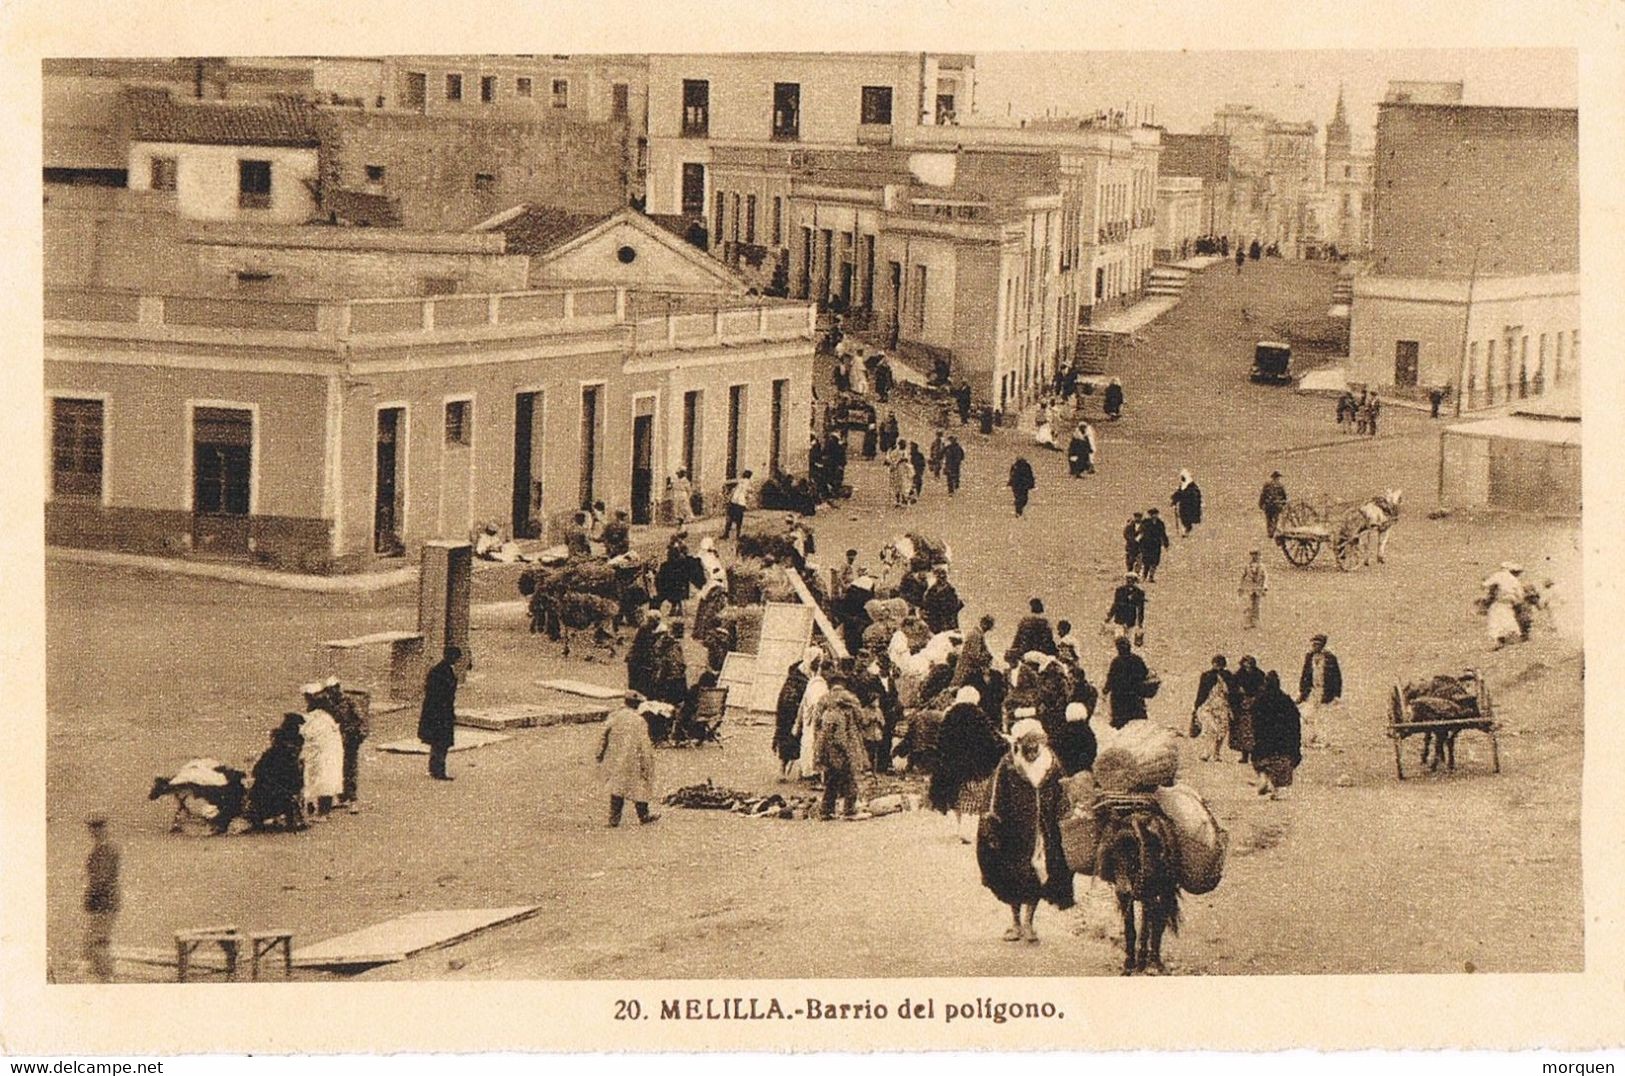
point(1339, 143)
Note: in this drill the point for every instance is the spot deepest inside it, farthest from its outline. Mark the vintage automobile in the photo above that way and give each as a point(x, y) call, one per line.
point(1272, 363)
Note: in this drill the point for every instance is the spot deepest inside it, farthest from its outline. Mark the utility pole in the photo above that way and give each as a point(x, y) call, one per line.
point(1467, 328)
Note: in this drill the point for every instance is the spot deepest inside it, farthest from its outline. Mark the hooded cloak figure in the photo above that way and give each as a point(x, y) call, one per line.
point(1277, 738)
point(969, 749)
point(786, 734)
point(1018, 844)
point(1187, 502)
point(277, 792)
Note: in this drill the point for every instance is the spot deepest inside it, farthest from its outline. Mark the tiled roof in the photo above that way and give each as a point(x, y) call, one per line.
point(155, 116)
point(541, 228)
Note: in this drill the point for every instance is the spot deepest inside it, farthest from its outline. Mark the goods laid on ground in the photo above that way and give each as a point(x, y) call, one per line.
point(1138, 757)
point(1202, 842)
point(887, 795)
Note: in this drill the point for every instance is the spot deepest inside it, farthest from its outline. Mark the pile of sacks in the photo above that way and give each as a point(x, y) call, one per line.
point(1443, 698)
point(1137, 766)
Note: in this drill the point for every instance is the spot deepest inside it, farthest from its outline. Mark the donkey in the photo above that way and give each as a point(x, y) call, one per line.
point(1136, 854)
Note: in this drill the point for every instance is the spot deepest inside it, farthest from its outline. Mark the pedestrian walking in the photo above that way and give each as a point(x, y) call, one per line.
point(738, 501)
point(626, 761)
point(1272, 502)
point(1126, 614)
point(1187, 502)
point(1131, 542)
point(969, 750)
point(1018, 843)
point(916, 460)
point(1247, 686)
point(1277, 738)
point(1373, 409)
point(883, 379)
point(102, 899)
point(1210, 713)
point(839, 751)
point(962, 398)
point(941, 604)
point(1255, 583)
point(1079, 452)
point(934, 458)
point(1033, 634)
point(985, 420)
point(901, 474)
point(1125, 686)
point(437, 721)
point(1022, 482)
point(953, 460)
point(1320, 685)
point(1112, 404)
point(888, 432)
point(1241, 259)
point(1362, 413)
point(1153, 540)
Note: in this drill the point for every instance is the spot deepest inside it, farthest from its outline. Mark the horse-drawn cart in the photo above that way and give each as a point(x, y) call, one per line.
point(1347, 526)
point(1439, 715)
point(1304, 528)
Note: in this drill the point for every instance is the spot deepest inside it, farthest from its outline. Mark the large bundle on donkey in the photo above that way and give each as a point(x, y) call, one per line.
point(576, 596)
point(916, 552)
point(762, 539)
point(1135, 828)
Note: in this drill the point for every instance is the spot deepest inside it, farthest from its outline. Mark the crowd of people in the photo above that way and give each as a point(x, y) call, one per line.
point(1359, 414)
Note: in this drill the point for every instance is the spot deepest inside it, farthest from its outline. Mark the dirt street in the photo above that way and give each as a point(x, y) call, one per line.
point(1354, 871)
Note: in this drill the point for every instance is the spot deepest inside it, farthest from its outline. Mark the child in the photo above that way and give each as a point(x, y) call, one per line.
point(626, 761)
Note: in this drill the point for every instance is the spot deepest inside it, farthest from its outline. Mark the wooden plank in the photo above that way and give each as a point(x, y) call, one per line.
point(529, 716)
point(375, 639)
point(836, 645)
point(738, 675)
point(464, 739)
point(396, 939)
point(581, 687)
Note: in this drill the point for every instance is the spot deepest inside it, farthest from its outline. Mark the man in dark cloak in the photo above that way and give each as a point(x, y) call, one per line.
point(1018, 845)
point(640, 655)
point(1022, 483)
point(1033, 632)
point(1125, 685)
point(277, 793)
point(941, 604)
point(437, 721)
point(953, 460)
point(1153, 540)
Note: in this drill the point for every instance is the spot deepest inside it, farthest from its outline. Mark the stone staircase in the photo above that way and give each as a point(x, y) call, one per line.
point(1167, 281)
point(1093, 351)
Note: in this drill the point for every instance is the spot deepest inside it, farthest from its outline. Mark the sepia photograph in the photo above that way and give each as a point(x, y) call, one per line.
point(898, 514)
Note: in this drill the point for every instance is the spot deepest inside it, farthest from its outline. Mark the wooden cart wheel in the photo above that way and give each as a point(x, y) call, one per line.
point(1347, 549)
point(1299, 514)
point(1399, 765)
point(1300, 551)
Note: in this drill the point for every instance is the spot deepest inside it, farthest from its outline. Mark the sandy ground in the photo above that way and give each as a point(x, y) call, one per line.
point(1353, 872)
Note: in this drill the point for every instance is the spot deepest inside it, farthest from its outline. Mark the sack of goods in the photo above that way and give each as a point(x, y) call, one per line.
point(1080, 837)
point(890, 612)
point(1201, 841)
point(1136, 758)
point(745, 582)
point(1152, 685)
point(1443, 698)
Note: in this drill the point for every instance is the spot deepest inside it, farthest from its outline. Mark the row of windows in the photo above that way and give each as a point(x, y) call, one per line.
point(734, 218)
point(524, 86)
point(874, 107)
point(1506, 368)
